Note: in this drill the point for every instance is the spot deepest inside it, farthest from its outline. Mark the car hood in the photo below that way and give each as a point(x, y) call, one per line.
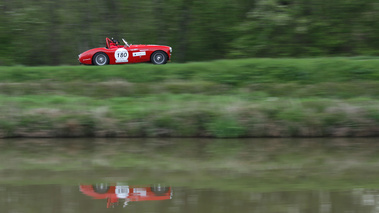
point(147, 46)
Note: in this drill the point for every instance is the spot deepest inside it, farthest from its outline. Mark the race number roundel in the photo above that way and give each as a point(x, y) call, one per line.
point(121, 55)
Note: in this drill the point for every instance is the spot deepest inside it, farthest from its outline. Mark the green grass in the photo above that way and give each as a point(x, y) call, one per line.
point(226, 99)
point(230, 72)
point(186, 115)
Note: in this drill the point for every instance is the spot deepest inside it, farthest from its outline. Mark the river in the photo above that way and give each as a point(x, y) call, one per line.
point(189, 175)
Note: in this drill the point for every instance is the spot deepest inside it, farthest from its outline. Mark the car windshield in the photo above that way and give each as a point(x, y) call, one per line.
point(125, 42)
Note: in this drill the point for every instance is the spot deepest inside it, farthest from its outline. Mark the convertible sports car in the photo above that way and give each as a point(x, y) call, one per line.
point(114, 53)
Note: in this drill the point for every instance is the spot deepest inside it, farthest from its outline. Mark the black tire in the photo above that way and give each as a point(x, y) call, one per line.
point(159, 190)
point(101, 188)
point(100, 59)
point(159, 57)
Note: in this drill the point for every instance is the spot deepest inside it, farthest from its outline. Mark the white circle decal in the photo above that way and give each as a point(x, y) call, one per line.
point(121, 55)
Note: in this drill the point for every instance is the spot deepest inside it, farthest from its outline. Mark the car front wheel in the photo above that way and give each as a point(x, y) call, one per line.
point(159, 57)
point(159, 190)
point(100, 59)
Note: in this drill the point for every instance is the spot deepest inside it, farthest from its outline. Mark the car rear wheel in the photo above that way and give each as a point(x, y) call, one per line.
point(100, 59)
point(100, 188)
point(159, 57)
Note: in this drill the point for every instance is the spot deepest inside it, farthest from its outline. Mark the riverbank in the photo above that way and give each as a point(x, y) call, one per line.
point(323, 97)
point(186, 115)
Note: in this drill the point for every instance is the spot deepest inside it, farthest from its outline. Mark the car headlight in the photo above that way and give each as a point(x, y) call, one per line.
point(170, 49)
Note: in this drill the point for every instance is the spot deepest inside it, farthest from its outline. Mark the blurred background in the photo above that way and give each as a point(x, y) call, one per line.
point(54, 32)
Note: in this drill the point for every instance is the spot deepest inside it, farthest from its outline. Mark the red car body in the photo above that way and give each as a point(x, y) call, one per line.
point(124, 54)
point(127, 193)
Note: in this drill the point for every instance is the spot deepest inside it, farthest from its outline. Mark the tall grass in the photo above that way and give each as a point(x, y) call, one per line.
point(258, 91)
point(171, 115)
point(227, 98)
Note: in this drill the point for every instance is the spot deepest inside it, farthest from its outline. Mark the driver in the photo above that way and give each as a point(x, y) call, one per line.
point(114, 43)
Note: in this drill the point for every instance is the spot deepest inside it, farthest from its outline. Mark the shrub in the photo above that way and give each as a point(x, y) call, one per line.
point(226, 127)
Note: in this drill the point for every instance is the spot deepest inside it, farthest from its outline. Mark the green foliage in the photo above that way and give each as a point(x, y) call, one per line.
point(55, 32)
point(226, 127)
point(7, 128)
point(292, 114)
point(274, 28)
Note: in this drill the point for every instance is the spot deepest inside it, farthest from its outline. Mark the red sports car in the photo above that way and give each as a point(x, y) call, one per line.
point(114, 53)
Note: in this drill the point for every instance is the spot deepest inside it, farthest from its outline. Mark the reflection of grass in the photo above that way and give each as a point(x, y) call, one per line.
point(259, 165)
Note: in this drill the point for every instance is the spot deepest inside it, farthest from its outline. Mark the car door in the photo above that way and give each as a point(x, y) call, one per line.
point(137, 54)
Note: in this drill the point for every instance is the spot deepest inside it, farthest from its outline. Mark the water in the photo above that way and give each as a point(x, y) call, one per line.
point(202, 176)
point(61, 198)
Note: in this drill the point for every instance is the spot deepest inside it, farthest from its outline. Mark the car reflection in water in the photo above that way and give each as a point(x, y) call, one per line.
point(126, 193)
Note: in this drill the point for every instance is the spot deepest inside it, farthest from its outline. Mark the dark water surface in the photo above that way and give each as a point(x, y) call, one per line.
point(189, 175)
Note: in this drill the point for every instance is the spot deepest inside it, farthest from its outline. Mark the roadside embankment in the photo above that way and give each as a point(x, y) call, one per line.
point(324, 97)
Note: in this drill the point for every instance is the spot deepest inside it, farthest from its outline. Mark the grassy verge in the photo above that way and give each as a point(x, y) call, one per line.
point(321, 97)
point(231, 72)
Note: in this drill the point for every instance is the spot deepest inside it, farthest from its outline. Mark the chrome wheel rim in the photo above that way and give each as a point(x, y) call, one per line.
point(159, 58)
point(101, 59)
